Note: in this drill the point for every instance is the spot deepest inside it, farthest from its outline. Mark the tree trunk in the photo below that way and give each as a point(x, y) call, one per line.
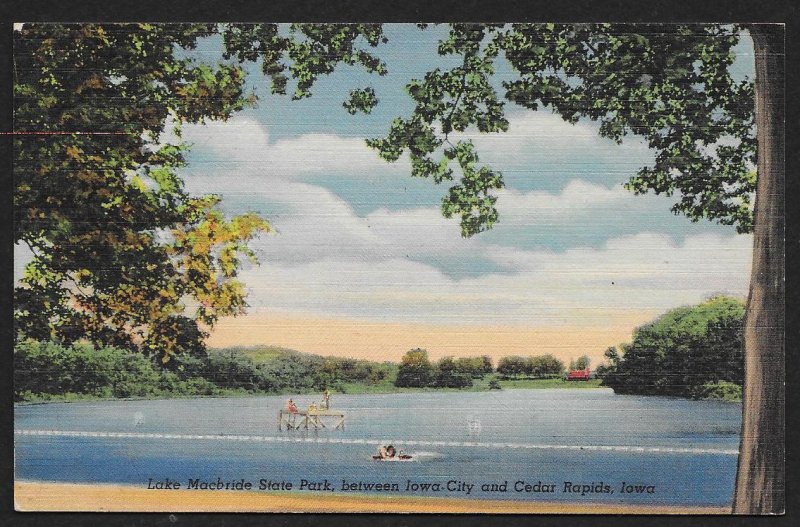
point(760, 484)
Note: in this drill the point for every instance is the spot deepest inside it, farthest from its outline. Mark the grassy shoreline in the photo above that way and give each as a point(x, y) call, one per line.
point(78, 497)
point(480, 385)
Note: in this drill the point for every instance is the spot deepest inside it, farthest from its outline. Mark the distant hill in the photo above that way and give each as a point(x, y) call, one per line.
point(282, 370)
point(266, 353)
point(259, 354)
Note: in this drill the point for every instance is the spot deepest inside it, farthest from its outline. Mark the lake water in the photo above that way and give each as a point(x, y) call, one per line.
point(685, 450)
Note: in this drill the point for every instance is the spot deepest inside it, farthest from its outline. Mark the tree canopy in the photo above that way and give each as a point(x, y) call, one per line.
point(669, 84)
point(415, 369)
point(682, 351)
point(122, 254)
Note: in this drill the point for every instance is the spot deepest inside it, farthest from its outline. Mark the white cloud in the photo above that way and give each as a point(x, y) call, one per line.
point(312, 223)
point(541, 149)
point(318, 225)
point(244, 143)
point(421, 231)
point(577, 197)
point(646, 272)
point(22, 255)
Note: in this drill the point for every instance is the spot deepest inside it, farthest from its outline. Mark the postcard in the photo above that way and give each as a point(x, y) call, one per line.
point(399, 268)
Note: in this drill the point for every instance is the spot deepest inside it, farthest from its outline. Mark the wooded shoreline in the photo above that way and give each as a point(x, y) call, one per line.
point(692, 352)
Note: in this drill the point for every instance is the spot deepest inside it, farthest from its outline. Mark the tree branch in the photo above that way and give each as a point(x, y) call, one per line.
point(458, 98)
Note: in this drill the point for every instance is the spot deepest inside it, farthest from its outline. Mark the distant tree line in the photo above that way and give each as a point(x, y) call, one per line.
point(43, 369)
point(416, 370)
point(688, 352)
point(537, 366)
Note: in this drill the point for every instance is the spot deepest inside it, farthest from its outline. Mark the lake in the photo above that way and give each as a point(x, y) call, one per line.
point(684, 451)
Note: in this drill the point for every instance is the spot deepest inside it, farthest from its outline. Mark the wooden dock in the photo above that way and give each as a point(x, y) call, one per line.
point(315, 419)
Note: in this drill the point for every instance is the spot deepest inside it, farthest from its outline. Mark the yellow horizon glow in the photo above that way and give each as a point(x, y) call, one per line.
point(382, 341)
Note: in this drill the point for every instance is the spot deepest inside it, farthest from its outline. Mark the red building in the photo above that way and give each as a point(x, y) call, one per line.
point(578, 375)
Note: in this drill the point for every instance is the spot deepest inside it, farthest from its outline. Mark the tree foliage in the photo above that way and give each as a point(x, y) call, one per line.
point(475, 366)
point(122, 254)
point(581, 363)
point(45, 369)
point(682, 352)
point(415, 369)
point(450, 375)
point(535, 366)
point(669, 84)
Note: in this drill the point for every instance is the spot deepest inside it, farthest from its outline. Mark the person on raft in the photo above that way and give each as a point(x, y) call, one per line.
point(291, 407)
point(386, 452)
